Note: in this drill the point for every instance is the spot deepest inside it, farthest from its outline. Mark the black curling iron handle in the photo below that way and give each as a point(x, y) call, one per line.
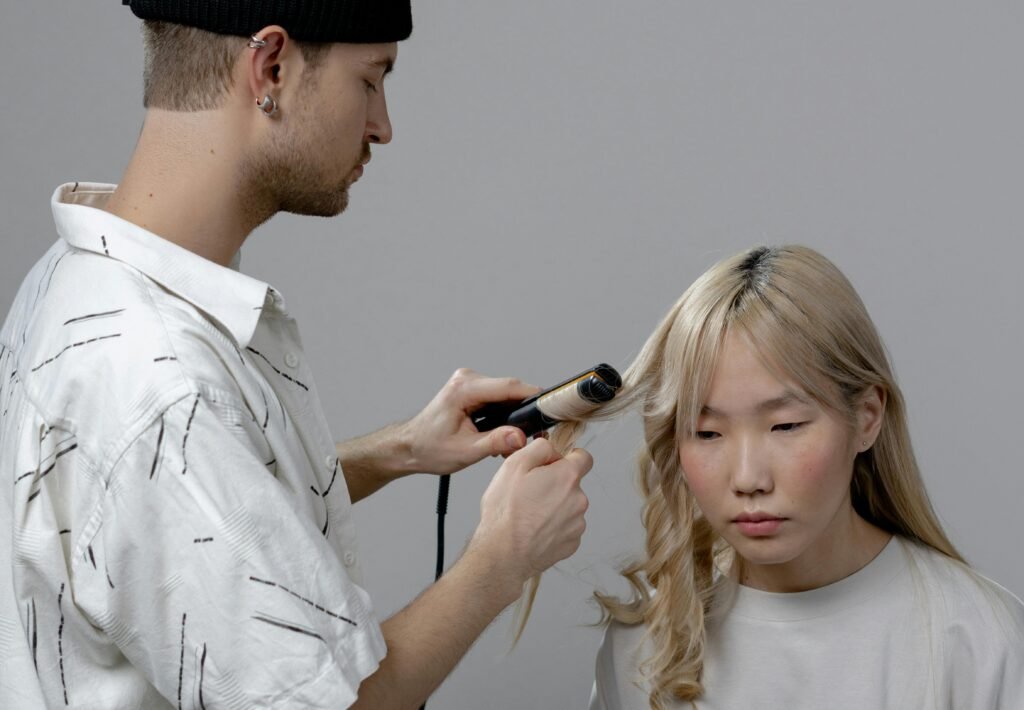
point(496, 414)
point(597, 384)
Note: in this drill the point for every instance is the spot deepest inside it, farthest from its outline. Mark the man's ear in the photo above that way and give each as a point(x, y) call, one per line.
point(870, 412)
point(272, 50)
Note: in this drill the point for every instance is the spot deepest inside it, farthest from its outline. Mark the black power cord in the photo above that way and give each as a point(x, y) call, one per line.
point(442, 510)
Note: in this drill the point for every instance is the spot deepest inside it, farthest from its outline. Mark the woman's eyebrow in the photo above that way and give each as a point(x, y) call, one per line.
point(789, 398)
point(764, 407)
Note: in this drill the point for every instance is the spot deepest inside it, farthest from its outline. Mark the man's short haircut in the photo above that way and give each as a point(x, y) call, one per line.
point(189, 69)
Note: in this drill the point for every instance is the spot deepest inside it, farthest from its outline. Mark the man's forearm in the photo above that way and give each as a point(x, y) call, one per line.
point(427, 639)
point(370, 462)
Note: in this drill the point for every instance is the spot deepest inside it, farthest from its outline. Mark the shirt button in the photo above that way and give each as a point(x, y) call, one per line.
point(330, 461)
point(350, 559)
point(291, 360)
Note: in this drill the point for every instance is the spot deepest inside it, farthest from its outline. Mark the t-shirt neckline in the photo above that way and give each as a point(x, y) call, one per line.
point(862, 585)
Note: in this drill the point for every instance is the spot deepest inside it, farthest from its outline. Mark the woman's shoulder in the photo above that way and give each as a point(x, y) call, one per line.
point(623, 641)
point(963, 600)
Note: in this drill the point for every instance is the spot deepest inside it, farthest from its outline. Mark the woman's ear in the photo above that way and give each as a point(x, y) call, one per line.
point(870, 410)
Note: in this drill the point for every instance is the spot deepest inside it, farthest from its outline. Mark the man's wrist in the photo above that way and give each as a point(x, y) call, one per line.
point(499, 580)
point(372, 461)
point(392, 452)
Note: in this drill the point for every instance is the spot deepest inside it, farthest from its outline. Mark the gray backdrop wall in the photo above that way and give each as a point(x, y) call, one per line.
point(560, 173)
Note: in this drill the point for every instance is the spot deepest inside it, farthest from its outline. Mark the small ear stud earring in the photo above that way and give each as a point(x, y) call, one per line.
point(268, 105)
point(257, 43)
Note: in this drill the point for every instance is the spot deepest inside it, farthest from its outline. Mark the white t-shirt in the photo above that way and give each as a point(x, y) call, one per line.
point(175, 529)
point(911, 630)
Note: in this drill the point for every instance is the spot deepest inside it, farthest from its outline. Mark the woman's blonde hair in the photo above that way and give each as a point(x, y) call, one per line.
point(808, 323)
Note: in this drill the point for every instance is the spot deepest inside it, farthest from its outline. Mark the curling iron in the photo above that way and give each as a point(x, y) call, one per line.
point(565, 401)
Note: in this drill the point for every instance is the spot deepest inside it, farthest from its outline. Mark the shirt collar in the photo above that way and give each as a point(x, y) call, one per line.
point(229, 296)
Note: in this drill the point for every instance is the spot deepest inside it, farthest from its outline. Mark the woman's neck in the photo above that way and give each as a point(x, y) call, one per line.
point(848, 545)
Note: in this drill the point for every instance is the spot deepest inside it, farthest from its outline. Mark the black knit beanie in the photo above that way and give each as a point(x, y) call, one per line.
point(355, 21)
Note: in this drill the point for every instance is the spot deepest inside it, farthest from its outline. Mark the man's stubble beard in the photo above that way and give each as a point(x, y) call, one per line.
point(287, 179)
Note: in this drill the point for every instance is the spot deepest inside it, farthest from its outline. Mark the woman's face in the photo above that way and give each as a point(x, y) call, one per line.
point(770, 469)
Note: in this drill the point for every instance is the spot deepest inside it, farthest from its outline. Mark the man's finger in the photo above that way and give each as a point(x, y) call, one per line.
point(537, 453)
point(503, 441)
point(483, 390)
point(582, 459)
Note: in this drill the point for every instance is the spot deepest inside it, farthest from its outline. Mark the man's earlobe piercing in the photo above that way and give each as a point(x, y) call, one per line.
point(257, 43)
point(268, 106)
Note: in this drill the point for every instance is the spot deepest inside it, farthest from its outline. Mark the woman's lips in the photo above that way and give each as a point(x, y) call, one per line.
point(758, 524)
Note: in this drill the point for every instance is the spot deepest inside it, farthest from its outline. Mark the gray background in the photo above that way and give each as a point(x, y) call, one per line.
point(560, 173)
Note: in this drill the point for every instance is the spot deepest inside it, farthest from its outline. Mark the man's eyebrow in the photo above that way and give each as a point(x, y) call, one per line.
point(765, 407)
point(387, 62)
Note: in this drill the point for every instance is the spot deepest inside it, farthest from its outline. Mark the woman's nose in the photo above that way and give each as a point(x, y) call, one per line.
point(751, 469)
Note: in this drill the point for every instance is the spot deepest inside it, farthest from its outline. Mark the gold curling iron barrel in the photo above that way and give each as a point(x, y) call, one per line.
point(566, 401)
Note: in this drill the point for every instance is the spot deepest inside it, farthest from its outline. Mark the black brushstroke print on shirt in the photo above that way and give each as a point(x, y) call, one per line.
point(286, 625)
point(302, 598)
point(188, 429)
point(159, 444)
point(334, 475)
point(202, 673)
point(12, 381)
point(75, 345)
point(33, 631)
point(60, 642)
point(49, 468)
point(266, 417)
point(181, 666)
point(287, 377)
point(94, 316)
point(49, 279)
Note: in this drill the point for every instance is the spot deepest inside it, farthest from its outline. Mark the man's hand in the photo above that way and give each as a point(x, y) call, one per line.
point(442, 439)
point(531, 517)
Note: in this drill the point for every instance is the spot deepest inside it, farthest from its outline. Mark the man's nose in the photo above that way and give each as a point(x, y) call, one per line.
point(378, 124)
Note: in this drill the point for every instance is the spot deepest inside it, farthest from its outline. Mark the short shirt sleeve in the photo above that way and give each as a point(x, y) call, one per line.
point(213, 583)
point(615, 672)
point(985, 650)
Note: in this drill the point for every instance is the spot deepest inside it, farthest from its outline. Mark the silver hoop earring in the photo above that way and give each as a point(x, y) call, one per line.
point(257, 43)
point(268, 106)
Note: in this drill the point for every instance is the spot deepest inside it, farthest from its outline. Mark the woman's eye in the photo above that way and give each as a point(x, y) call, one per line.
point(706, 435)
point(788, 426)
point(370, 86)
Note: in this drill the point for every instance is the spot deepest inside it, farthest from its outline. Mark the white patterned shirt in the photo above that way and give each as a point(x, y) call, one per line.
point(175, 529)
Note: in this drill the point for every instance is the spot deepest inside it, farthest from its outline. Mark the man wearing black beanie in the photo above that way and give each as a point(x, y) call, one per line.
point(179, 530)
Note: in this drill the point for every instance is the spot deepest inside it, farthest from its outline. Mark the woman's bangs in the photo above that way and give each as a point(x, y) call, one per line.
point(788, 351)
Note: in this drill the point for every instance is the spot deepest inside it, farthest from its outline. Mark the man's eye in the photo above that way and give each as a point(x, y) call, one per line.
point(788, 426)
point(370, 86)
point(707, 435)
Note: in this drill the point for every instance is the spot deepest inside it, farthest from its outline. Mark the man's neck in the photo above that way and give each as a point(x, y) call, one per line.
point(183, 184)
